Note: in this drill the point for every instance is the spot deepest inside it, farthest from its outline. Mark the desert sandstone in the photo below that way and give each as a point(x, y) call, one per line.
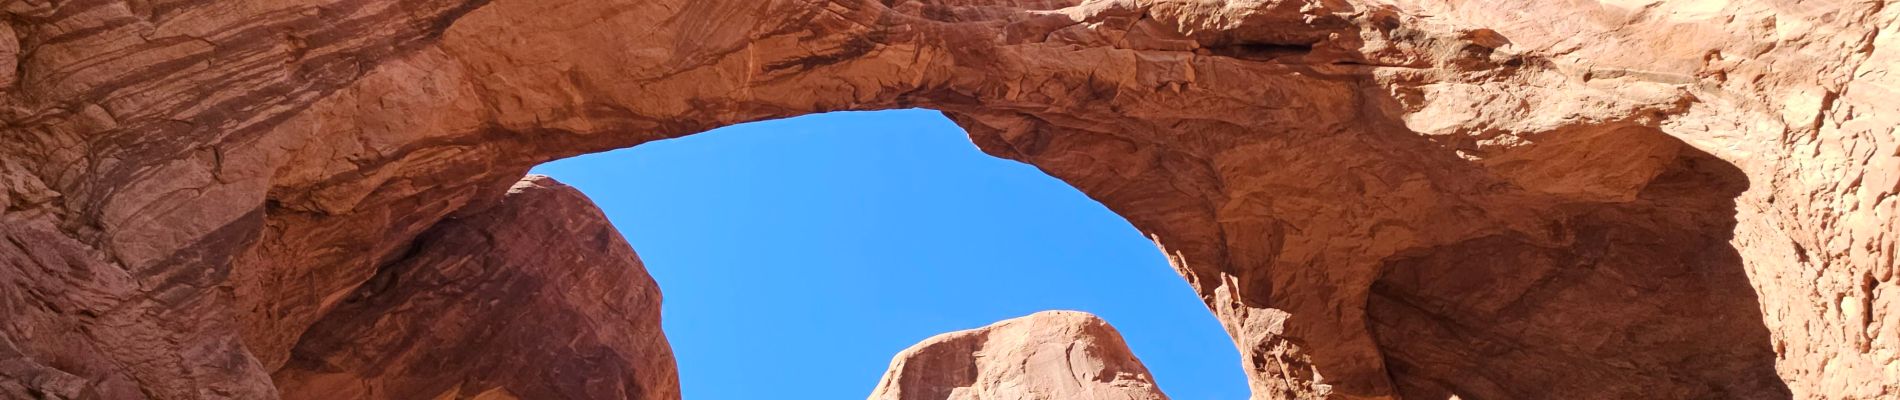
point(536, 297)
point(1379, 199)
point(1049, 355)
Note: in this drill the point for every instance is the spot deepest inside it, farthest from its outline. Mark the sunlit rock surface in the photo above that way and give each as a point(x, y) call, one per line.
point(1378, 198)
point(1046, 355)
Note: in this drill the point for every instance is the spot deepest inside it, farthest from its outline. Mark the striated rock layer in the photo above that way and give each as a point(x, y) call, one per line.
point(1378, 198)
point(536, 297)
point(1048, 355)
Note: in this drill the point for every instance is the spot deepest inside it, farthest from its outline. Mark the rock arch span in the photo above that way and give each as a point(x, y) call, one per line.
point(192, 185)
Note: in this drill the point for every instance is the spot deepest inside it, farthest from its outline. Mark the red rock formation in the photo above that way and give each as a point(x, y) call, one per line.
point(1048, 355)
point(1378, 198)
point(537, 297)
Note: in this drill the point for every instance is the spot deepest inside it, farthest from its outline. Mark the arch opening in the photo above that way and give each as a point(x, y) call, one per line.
point(827, 243)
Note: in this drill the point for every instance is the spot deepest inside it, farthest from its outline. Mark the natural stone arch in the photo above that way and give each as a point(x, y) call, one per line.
point(1247, 137)
point(1278, 180)
point(728, 83)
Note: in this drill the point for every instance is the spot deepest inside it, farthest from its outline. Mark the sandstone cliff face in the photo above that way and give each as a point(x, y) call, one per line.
point(1378, 198)
point(536, 297)
point(1047, 355)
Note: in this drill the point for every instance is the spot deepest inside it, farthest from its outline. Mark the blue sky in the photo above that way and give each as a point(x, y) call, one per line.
point(798, 255)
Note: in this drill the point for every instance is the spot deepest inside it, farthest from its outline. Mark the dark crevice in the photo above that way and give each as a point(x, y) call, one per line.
point(1262, 51)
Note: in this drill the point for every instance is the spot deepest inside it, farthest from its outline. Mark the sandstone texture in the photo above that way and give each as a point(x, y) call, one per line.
point(536, 297)
point(1044, 356)
point(1380, 199)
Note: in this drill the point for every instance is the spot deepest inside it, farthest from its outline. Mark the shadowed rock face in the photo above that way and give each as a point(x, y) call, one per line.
point(1047, 355)
point(536, 297)
point(1378, 198)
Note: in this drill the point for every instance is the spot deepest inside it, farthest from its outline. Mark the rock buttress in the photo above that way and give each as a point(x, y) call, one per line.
point(535, 297)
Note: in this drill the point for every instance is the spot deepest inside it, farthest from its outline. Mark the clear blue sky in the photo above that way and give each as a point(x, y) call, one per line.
point(797, 256)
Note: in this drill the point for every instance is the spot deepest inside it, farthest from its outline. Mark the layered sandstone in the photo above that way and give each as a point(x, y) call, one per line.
point(1048, 355)
point(535, 297)
point(1378, 198)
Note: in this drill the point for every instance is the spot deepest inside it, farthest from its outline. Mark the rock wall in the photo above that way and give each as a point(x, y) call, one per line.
point(1378, 198)
point(1043, 356)
point(536, 297)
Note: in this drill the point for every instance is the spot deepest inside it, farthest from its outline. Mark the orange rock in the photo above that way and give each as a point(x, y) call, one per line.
point(537, 297)
point(1379, 199)
point(1044, 356)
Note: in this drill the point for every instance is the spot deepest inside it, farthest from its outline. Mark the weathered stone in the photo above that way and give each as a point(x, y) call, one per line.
point(1378, 198)
point(1048, 355)
point(537, 297)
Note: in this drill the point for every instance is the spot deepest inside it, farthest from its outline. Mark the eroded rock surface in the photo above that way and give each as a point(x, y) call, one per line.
point(1378, 198)
point(535, 297)
point(1048, 355)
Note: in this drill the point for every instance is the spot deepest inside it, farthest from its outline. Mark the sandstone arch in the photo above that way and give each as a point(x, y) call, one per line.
point(208, 179)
